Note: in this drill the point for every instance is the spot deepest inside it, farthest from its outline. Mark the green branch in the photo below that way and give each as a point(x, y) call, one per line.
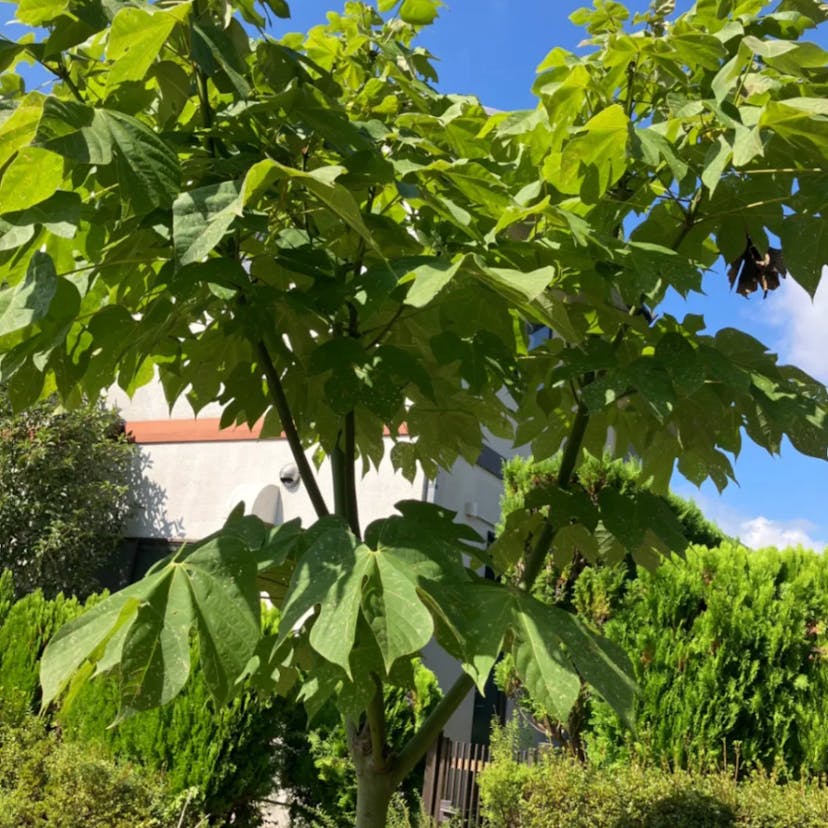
point(375, 719)
point(280, 402)
point(437, 719)
point(430, 729)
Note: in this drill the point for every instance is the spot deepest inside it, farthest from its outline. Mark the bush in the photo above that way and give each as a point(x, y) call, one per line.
point(25, 628)
point(44, 781)
point(729, 648)
point(224, 755)
point(64, 495)
point(560, 792)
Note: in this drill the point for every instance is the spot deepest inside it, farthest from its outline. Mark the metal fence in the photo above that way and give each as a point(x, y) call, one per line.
point(450, 787)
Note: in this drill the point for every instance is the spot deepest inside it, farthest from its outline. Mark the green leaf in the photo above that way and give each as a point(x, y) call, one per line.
point(146, 627)
point(419, 12)
point(541, 661)
point(805, 245)
point(599, 661)
point(19, 189)
point(715, 163)
point(279, 7)
point(38, 12)
point(329, 575)
point(400, 622)
point(746, 146)
point(85, 638)
point(72, 130)
point(727, 77)
point(798, 120)
point(221, 575)
point(520, 287)
point(638, 519)
point(320, 182)
point(20, 127)
point(201, 218)
point(148, 171)
point(135, 41)
point(214, 51)
point(428, 279)
point(596, 158)
point(30, 300)
point(147, 168)
point(156, 653)
point(471, 620)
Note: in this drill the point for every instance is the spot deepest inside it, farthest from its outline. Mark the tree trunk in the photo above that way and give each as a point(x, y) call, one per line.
point(373, 797)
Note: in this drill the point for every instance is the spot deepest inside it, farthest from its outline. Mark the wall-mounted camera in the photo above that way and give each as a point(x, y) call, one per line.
point(289, 476)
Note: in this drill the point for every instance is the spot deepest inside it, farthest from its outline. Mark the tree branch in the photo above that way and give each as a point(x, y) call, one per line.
point(61, 73)
point(277, 394)
point(430, 729)
point(349, 448)
point(375, 719)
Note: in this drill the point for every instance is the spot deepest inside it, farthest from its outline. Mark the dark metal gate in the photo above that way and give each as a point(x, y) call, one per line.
point(450, 785)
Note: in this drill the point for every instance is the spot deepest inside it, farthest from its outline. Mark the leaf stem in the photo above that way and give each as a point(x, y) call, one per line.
point(277, 394)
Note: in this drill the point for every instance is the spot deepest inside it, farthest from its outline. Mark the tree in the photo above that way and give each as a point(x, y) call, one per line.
point(306, 230)
point(64, 495)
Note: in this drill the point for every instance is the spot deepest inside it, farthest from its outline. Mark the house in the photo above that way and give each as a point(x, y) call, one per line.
point(192, 473)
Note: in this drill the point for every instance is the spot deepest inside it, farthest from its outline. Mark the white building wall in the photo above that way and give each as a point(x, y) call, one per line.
point(188, 489)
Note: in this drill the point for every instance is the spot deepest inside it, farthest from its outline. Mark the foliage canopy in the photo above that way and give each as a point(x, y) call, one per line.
point(305, 230)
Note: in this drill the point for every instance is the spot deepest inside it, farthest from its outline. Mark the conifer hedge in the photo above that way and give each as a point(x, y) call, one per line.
point(729, 645)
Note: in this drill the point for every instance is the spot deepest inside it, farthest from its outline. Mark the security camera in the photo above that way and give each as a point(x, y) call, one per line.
point(289, 476)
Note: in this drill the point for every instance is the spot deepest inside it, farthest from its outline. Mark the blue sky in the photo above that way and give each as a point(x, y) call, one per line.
point(490, 48)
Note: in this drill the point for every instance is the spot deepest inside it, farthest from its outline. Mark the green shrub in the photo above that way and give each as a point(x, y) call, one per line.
point(224, 754)
point(560, 792)
point(729, 648)
point(65, 481)
point(44, 781)
point(25, 628)
point(6, 594)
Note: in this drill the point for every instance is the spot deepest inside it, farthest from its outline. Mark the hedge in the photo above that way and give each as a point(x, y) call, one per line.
point(729, 648)
point(46, 781)
point(560, 792)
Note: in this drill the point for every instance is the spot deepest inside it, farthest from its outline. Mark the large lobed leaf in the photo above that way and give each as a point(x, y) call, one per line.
point(144, 631)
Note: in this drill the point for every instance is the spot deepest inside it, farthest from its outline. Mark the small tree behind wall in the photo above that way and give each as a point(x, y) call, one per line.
point(65, 480)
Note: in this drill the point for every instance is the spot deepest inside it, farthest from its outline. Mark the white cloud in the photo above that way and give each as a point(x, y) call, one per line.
point(803, 326)
point(760, 531)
